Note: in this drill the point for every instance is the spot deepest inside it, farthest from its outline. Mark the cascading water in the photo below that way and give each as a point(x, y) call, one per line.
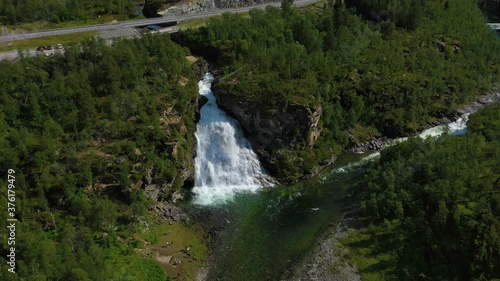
point(455, 128)
point(225, 163)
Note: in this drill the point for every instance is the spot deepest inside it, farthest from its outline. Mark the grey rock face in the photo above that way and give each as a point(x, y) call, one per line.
point(169, 212)
point(270, 131)
point(209, 5)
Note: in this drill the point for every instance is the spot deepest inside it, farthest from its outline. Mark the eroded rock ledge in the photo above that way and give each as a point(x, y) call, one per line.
point(273, 133)
point(190, 7)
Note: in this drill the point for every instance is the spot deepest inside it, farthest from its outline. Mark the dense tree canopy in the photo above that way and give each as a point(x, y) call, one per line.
point(84, 131)
point(55, 11)
point(443, 197)
point(372, 76)
point(15, 11)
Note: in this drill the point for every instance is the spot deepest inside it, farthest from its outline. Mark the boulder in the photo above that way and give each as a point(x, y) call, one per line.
point(170, 212)
point(152, 192)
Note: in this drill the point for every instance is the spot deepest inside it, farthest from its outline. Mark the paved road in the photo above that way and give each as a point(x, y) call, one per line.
point(14, 54)
point(143, 22)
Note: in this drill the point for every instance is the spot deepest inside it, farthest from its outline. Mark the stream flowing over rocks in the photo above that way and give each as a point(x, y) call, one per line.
point(380, 143)
point(328, 259)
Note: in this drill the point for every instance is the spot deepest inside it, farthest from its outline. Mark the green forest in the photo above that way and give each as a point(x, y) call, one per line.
point(15, 11)
point(389, 75)
point(86, 131)
point(433, 206)
point(83, 131)
point(55, 11)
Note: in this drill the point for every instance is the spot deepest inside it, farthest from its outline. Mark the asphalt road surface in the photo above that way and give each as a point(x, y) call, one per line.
point(143, 22)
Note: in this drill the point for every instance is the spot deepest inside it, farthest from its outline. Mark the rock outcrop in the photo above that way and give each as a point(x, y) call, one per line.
point(271, 132)
point(197, 6)
point(491, 9)
point(170, 212)
point(373, 144)
point(202, 100)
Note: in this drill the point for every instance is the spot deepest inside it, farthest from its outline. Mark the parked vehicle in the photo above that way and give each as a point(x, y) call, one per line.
point(40, 48)
point(59, 46)
point(48, 48)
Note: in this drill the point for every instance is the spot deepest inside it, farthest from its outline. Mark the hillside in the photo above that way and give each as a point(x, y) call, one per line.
point(95, 137)
point(372, 74)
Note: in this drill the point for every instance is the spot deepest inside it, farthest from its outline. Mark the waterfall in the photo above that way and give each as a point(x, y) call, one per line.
point(225, 163)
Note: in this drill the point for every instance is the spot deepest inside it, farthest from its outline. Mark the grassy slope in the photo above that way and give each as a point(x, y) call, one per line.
point(48, 41)
point(44, 25)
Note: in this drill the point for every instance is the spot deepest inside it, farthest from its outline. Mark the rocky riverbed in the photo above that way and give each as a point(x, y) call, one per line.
point(328, 260)
point(380, 143)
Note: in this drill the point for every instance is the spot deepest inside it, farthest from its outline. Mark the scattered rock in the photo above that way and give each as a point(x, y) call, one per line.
point(136, 185)
point(198, 6)
point(192, 59)
point(327, 261)
point(373, 144)
point(177, 196)
point(213, 220)
point(152, 192)
point(169, 212)
point(121, 159)
point(148, 177)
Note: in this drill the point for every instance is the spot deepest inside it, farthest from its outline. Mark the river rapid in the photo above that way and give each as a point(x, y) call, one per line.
point(269, 228)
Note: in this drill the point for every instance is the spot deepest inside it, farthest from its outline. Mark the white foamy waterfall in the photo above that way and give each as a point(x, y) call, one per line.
point(225, 163)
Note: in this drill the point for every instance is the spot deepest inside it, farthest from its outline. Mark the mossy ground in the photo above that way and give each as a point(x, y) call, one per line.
point(370, 251)
point(169, 244)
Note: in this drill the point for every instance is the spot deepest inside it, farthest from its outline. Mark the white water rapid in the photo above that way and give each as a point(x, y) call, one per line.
point(455, 128)
point(225, 163)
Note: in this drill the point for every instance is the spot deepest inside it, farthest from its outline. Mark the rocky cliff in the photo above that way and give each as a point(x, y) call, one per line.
point(278, 137)
point(196, 6)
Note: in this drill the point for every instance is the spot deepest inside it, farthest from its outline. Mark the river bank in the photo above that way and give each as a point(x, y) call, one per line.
point(226, 258)
point(378, 143)
point(331, 259)
point(328, 259)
